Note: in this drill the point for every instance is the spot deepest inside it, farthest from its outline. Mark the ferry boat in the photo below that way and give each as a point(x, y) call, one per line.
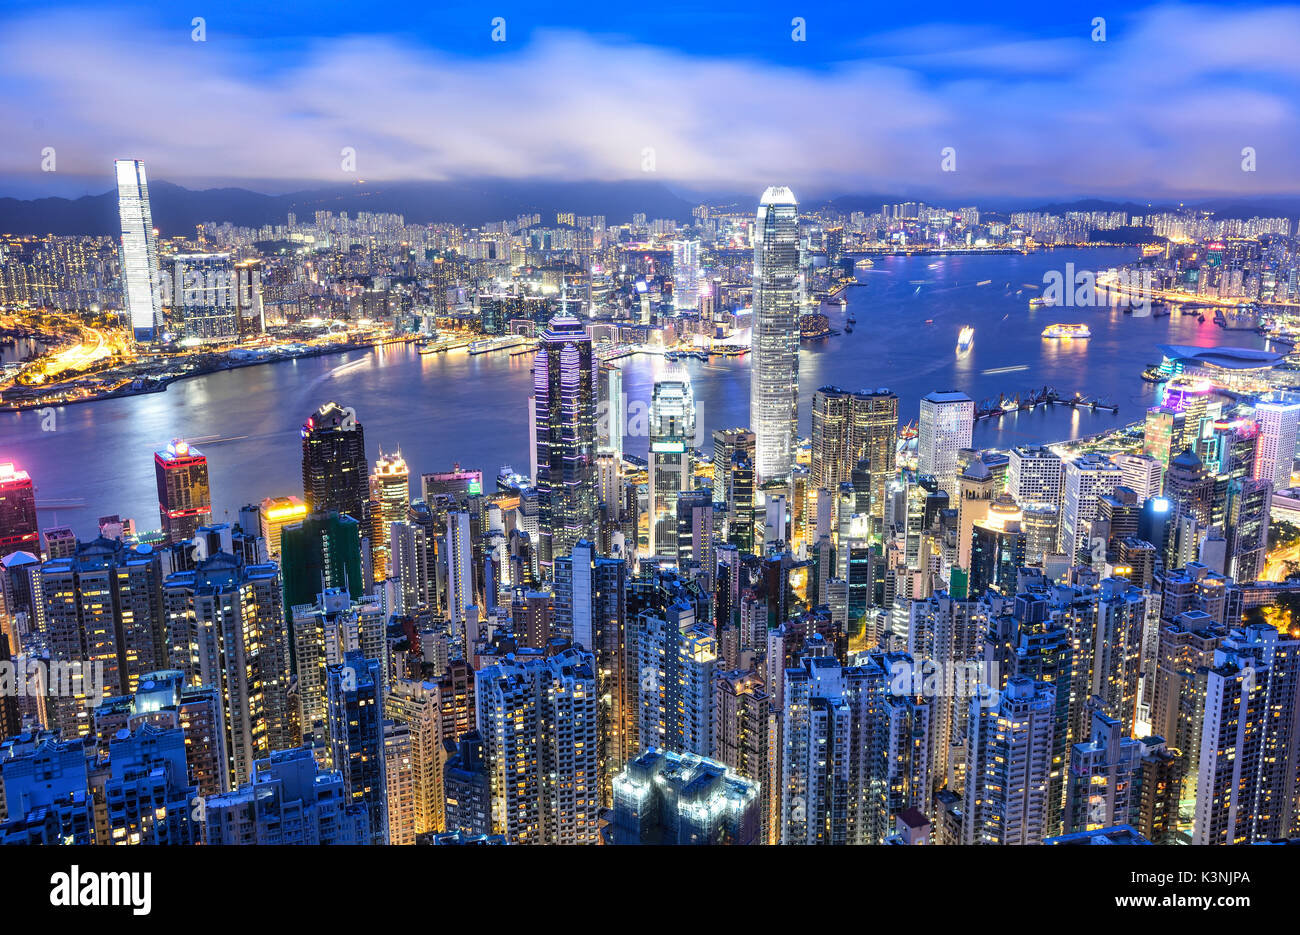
point(965, 339)
point(1038, 302)
point(1067, 331)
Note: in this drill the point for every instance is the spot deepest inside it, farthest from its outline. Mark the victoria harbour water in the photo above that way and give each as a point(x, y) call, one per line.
point(441, 409)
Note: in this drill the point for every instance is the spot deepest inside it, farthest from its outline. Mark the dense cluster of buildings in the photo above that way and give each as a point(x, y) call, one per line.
point(747, 638)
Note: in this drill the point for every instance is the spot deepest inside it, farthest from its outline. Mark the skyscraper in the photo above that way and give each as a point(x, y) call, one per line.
point(356, 718)
point(672, 431)
point(564, 426)
point(686, 274)
point(1278, 418)
point(538, 721)
point(139, 252)
point(774, 364)
point(591, 607)
point(18, 530)
point(334, 474)
point(1008, 765)
point(184, 499)
point(947, 423)
point(849, 428)
point(390, 500)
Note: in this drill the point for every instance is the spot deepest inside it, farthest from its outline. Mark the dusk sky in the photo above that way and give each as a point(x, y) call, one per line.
point(1032, 106)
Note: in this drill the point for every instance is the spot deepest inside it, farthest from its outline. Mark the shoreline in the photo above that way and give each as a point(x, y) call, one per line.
point(162, 386)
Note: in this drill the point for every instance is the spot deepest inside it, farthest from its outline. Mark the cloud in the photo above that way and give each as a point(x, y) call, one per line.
point(1162, 108)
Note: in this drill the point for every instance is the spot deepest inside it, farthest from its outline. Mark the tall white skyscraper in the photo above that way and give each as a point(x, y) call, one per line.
point(686, 274)
point(1034, 476)
point(947, 424)
point(672, 431)
point(1278, 417)
point(139, 252)
point(774, 367)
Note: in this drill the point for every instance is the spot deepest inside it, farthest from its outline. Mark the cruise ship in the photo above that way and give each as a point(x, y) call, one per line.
point(1067, 331)
point(965, 339)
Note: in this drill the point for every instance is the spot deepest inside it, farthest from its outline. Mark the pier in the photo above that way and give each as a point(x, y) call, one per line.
point(1043, 396)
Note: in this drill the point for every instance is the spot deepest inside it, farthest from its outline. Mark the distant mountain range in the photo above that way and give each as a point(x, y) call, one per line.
point(176, 210)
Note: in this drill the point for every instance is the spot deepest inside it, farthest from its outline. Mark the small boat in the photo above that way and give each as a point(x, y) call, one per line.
point(848, 329)
point(965, 339)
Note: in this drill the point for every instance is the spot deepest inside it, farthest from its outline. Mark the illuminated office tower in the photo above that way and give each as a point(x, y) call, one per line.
point(672, 431)
point(460, 580)
point(999, 547)
point(1102, 787)
point(695, 529)
point(356, 722)
point(774, 361)
point(414, 704)
point(669, 798)
point(1278, 417)
point(744, 739)
point(290, 799)
point(226, 623)
point(1246, 787)
point(104, 621)
point(1246, 522)
point(848, 427)
point(564, 430)
point(591, 606)
point(1141, 474)
point(334, 475)
point(610, 424)
point(184, 499)
point(1008, 763)
point(204, 309)
point(1086, 480)
point(727, 442)
point(147, 795)
point(18, 529)
point(946, 426)
point(322, 551)
point(399, 778)
point(740, 502)
point(538, 721)
point(686, 274)
point(139, 252)
point(274, 513)
point(1162, 432)
point(390, 500)
point(1034, 476)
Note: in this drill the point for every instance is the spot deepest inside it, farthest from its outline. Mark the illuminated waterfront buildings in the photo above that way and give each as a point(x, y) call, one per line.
point(184, 498)
point(774, 357)
point(203, 307)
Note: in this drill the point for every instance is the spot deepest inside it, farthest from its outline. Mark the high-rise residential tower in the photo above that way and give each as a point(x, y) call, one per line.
point(774, 364)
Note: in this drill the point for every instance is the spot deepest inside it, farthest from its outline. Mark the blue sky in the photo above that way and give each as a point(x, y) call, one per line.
point(706, 95)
